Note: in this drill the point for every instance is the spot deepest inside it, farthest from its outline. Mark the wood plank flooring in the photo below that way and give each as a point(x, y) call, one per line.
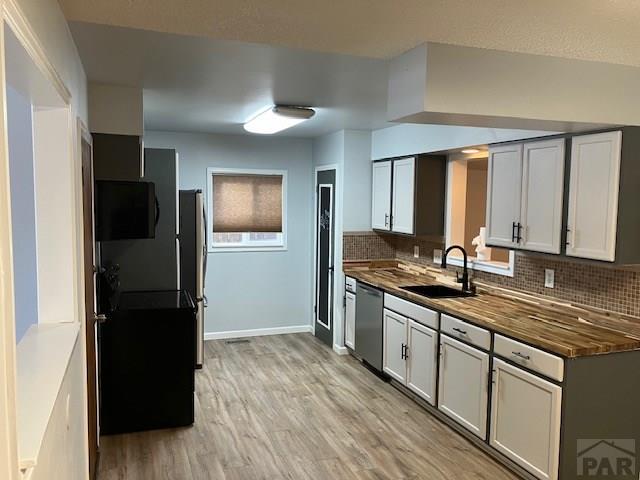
point(287, 407)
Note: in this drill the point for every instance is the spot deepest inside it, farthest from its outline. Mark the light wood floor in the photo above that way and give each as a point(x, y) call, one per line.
point(287, 407)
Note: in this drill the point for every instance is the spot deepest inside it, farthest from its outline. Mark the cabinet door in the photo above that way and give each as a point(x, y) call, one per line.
point(525, 419)
point(463, 385)
point(350, 320)
point(542, 189)
point(593, 196)
point(504, 182)
point(421, 361)
point(402, 217)
point(394, 345)
point(381, 196)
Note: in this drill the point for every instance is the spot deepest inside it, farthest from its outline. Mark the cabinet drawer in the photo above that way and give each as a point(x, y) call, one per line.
point(529, 357)
point(465, 331)
point(350, 284)
point(416, 312)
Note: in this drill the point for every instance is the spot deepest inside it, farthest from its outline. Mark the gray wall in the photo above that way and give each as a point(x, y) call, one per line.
point(254, 290)
point(23, 221)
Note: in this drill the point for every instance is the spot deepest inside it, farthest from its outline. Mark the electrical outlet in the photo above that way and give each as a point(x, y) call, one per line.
point(437, 256)
point(549, 278)
point(416, 251)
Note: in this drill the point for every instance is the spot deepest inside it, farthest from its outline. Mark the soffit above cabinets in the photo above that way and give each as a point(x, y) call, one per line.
point(451, 85)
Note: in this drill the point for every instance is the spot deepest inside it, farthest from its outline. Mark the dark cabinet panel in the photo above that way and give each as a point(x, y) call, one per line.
point(117, 157)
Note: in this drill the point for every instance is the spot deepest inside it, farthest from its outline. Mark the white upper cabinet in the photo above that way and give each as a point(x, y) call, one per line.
point(381, 196)
point(408, 195)
point(402, 217)
point(394, 345)
point(504, 182)
point(524, 196)
point(542, 190)
point(593, 196)
point(525, 419)
point(463, 385)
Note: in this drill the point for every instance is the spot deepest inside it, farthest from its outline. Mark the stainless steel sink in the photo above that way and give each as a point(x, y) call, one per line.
point(437, 291)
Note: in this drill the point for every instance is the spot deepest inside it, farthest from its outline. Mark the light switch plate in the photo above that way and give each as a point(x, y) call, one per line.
point(549, 277)
point(437, 255)
point(416, 251)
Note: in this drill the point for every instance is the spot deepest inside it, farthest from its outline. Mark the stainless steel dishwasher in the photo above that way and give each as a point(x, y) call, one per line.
point(369, 325)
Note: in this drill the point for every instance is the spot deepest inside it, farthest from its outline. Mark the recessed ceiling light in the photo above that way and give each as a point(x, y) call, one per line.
point(470, 150)
point(278, 118)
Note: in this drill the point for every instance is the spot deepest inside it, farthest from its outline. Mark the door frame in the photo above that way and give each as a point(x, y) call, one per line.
point(338, 276)
point(331, 293)
point(84, 135)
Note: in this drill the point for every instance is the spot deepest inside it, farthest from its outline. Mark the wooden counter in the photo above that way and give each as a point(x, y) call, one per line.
point(558, 327)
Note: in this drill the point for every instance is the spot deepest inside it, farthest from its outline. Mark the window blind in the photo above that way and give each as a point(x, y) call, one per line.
point(247, 203)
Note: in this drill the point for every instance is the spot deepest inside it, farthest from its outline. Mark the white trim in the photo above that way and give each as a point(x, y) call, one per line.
point(280, 247)
point(340, 350)
point(499, 268)
point(8, 427)
point(257, 332)
point(331, 231)
point(43, 356)
point(479, 265)
point(17, 21)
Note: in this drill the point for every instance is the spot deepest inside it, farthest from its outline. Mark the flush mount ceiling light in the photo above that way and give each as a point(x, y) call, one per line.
point(470, 150)
point(278, 118)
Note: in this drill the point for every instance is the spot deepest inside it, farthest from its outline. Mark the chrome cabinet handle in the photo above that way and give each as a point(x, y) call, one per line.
point(460, 331)
point(522, 356)
point(100, 318)
point(386, 219)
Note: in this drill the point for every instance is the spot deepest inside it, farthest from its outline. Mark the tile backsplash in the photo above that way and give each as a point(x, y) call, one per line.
point(591, 284)
point(367, 246)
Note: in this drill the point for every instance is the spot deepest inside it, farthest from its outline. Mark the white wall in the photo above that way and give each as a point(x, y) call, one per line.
point(254, 290)
point(25, 268)
point(328, 149)
point(410, 139)
point(351, 151)
point(357, 181)
point(44, 21)
point(115, 109)
point(49, 24)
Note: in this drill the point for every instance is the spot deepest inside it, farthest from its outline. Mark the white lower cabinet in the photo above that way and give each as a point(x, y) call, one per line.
point(394, 345)
point(350, 320)
point(421, 362)
point(410, 354)
point(525, 419)
point(463, 385)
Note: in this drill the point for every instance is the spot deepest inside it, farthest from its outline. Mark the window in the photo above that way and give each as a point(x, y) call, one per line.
point(247, 209)
point(466, 212)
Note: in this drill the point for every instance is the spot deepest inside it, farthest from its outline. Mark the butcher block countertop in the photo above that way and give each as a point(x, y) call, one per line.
point(558, 327)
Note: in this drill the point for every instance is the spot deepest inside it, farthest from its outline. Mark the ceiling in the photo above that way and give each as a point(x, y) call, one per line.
point(601, 30)
point(197, 84)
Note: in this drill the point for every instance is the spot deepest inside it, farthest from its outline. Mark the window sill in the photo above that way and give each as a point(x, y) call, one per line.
point(247, 249)
point(498, 268)
point(42, 358)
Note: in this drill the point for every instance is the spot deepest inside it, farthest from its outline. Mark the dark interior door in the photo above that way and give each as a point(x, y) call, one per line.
point(90, 304)
point(325, 223)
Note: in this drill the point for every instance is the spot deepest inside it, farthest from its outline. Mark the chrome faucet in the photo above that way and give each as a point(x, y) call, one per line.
point(464, 280)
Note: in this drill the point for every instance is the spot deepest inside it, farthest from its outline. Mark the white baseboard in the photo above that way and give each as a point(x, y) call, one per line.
point(257, 332)
point(340, 350)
